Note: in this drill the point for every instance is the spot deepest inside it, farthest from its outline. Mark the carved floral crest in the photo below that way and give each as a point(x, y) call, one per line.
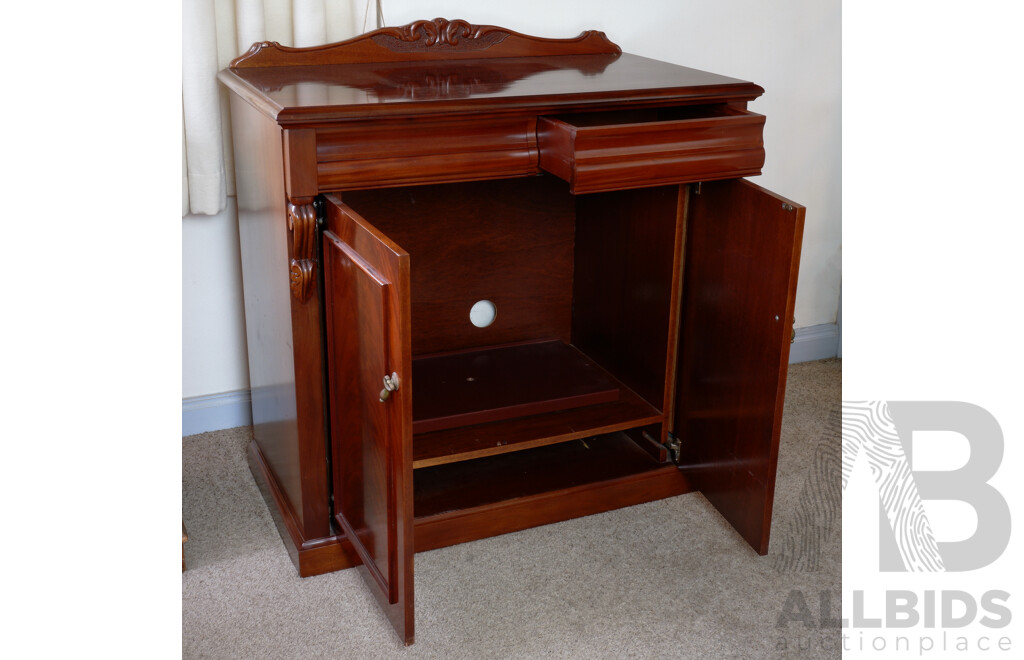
point(440, 34)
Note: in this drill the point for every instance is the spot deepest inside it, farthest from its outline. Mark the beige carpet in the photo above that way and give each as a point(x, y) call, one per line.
point(669, 579)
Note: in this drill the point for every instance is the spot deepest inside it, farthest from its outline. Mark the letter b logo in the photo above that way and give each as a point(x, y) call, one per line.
point(883, 431)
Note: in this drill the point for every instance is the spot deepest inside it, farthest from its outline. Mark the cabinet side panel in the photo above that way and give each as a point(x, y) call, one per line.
point(743, 250)
point(622, 290)
point(264, 240)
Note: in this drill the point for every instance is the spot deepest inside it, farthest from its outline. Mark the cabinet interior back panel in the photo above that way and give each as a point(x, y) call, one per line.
point(508, 241)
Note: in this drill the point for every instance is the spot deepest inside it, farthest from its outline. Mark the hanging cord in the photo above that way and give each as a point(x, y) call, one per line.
point(380, 14)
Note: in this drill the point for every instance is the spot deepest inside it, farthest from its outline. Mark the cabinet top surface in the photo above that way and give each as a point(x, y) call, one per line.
point(333, 92)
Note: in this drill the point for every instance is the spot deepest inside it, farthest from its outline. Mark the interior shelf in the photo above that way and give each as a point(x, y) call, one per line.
point(501, 382)
point(467, 485)
point(496, 400)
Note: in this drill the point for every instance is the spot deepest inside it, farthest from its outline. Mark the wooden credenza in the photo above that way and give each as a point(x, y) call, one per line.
point(631, 294)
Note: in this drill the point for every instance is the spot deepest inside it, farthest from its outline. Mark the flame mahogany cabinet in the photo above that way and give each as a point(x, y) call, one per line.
point(643, 290)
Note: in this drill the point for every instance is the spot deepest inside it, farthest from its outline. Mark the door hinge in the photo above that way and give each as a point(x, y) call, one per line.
point(321, 212)
point(674, 447)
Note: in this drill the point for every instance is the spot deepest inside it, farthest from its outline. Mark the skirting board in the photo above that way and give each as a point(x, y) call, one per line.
point(214, 412)
point(816, 342)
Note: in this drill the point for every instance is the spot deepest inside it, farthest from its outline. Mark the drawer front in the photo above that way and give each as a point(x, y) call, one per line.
point(616, 151)
point(403, 152)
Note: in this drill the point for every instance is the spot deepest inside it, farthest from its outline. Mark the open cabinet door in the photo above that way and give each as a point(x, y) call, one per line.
point(742, 256)
point(366, 286)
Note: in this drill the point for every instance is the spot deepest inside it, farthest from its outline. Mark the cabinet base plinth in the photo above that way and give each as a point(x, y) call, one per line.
point(310, 556)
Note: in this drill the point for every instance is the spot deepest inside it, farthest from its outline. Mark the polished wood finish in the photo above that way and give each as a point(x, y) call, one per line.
point(544, 508)
point(467, 485)
point(358, 359)
point(299, 165)
point(283, 332)
point(460, 502)
point(425, 40)
point(301, 268)
point(468, 442)
point(312, 556)
point(388, 183)
point(510, 242)
point(366, 285)
point(400, 152)
point(504, 382)
point(620, 150)
point(674, 322)
point(326, 92)
point(741, 273)
point(623, 291)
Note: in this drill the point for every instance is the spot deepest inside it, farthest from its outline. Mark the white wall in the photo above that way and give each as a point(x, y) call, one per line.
point(213, 348)
point(792, 49)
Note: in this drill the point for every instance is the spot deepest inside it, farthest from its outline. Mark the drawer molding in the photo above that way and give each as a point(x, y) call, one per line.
point(595, 157)
point(402, 152)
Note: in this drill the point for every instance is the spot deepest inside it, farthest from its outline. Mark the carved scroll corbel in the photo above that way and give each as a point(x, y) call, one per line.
point(302, 267)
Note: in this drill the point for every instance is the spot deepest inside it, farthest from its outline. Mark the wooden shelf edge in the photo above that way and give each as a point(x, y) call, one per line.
point(539, 426)
point(504, 382)
point(539, 442)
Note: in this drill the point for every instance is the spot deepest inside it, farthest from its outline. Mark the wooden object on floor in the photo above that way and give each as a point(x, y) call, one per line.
point(184, 537)
point(643, 292)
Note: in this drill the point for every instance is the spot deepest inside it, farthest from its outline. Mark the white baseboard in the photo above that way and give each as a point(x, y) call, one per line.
point(214, 412)
point(816, 342)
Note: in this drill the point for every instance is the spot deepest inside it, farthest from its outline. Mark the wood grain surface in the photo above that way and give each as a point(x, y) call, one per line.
point(740, 286)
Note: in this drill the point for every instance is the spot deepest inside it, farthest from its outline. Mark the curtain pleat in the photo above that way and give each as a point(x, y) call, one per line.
point(309, 22)
point(249, 24)
point(214, 32)
point(200, 101)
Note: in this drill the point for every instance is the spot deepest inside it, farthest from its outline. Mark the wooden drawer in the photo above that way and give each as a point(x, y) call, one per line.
point(617, 150)
point(362, 155)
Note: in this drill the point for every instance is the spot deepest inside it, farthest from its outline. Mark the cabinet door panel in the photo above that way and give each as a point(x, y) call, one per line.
point(742, 256)
point(366, 281)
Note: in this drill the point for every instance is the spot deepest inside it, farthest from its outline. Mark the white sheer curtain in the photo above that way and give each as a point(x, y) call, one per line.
point(214, 32)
